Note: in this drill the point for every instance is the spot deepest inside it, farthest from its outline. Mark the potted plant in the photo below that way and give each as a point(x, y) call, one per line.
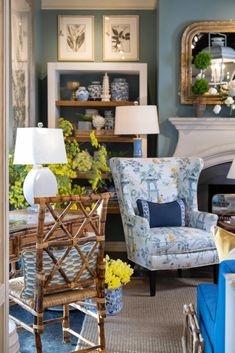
point(201, 86)
point(117, 274)
point(202, 61)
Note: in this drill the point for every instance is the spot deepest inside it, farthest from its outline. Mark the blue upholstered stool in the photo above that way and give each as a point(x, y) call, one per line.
point(211, 304)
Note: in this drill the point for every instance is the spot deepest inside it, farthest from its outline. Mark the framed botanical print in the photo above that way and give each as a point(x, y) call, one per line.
point(75, 38)
point(22, 66)
point(121, 38)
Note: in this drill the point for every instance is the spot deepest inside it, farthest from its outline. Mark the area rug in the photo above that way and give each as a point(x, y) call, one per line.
point(52, 340)
point(148, 324)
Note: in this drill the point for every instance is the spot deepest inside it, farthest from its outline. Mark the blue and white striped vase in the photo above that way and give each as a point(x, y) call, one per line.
point(114, 301)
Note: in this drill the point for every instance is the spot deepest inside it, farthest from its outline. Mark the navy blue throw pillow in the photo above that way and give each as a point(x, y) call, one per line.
point(169, 214)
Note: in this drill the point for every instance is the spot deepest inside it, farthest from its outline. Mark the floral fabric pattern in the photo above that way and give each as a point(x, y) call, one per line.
point(164, 180)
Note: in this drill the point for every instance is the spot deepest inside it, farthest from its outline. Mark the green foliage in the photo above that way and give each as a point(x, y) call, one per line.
point(99, 166)
point(78, 160)
point(82, 117)
point(200, 87)
point(202, 60)
point(17, 174)
point(66, 126)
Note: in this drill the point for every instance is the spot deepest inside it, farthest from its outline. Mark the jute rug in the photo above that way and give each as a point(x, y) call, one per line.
point(148, 324)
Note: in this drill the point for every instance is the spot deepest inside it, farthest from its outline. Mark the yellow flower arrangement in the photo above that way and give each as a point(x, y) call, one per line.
point(117, 273)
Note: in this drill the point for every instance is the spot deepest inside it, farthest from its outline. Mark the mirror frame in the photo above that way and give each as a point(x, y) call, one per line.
point(186, 94)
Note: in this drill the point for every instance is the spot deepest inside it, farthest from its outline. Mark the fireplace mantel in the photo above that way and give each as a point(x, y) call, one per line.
point(213, 139)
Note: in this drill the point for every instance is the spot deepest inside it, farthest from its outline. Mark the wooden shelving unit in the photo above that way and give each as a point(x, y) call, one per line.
point(102, 137)
point(56, 104)
point(98, 104)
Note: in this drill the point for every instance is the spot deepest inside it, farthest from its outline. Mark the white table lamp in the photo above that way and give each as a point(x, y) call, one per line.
point(136, 120)
point(37, 146)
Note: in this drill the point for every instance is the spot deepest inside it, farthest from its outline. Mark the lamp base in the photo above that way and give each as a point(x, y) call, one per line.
point(137, 144)
point(39, 182)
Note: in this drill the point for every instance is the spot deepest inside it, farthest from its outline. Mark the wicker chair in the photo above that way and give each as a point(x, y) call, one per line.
point(68, 266)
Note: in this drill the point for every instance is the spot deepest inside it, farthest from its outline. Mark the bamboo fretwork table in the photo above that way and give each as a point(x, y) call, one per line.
point(23, 230)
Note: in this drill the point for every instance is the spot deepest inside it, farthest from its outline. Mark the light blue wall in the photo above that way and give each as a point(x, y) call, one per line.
point(173, 18)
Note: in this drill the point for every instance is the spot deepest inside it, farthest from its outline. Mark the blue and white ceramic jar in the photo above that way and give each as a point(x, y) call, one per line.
point(119, 90)
point(114, 301)
point(95, 90)
point(109, 120)
point(82, 94)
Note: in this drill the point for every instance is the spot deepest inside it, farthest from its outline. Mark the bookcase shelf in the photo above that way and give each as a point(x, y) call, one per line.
point(66, 103)
point(81, 136)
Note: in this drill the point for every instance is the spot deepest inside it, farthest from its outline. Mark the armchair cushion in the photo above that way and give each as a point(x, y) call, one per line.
point(225, 242)
point(70, 264)
point(169, 214)
point(179, 240)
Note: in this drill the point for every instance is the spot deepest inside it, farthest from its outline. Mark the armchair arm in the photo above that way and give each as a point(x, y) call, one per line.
point(137, 234)
point(136, 221)
point(202, 220)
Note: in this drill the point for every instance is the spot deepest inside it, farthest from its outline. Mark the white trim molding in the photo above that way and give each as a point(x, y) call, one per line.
point(2, 293)
point(212, 139)
point(98, 4)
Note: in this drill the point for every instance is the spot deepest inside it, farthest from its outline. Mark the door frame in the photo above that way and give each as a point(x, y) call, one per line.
point(4, 182)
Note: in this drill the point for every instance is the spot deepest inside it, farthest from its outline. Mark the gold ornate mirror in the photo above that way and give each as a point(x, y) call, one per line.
point(205, 36)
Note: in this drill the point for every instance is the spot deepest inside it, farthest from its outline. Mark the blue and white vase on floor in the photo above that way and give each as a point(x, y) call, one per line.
point(114, 301)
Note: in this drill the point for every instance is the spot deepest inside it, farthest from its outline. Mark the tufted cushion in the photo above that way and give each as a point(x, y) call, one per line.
point(169, 214)
point(71, 265)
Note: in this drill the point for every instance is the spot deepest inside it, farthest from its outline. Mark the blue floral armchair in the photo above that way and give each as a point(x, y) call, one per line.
point(163, 180)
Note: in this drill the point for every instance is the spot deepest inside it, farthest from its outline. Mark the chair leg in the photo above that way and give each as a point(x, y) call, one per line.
point(215, 273)
point(101, 334)
point(65, 323)
point(100, 319)
point(37, 334)
point(152, 283)
point(179, 272)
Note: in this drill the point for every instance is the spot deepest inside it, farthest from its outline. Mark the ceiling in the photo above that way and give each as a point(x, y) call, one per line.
point(99, 4)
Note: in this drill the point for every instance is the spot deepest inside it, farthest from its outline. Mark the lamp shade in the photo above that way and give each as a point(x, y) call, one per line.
point(36, 145)
point(136, 119)
point(231, 173)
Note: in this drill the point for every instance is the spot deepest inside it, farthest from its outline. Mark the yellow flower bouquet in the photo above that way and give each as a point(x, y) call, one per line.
point(117, 273)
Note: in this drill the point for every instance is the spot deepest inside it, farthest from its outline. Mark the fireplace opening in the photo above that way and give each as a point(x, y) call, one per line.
point(213, 181)
point(222, 201)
